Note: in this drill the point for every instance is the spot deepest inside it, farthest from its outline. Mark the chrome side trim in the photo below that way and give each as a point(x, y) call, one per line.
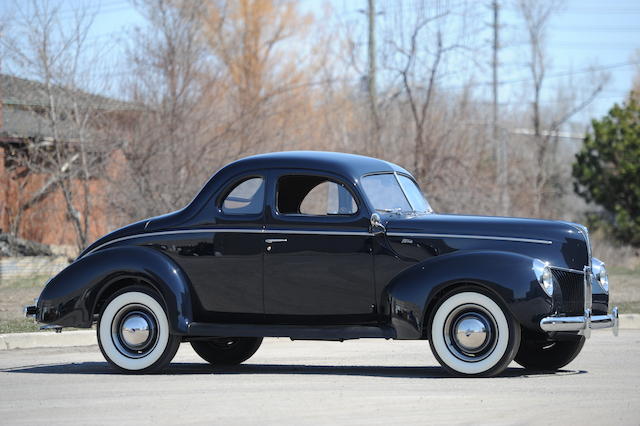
point(309, 232)
point(229, 230)
point(470, 237)
point(302, 232)
point(183, 231)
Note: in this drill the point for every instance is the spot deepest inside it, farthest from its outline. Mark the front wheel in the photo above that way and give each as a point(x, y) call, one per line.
point(227, 350)
point(471, 334)
point(548, 356)
point(133, 332)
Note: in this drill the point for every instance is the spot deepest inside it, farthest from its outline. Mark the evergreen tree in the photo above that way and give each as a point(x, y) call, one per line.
point(607, 169)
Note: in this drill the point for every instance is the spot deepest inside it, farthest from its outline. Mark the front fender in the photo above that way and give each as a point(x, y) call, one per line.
point(509, 276)
point(70, 297)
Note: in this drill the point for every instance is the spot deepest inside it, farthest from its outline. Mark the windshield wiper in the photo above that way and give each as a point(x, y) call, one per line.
point(397, 210)
point(423, 211)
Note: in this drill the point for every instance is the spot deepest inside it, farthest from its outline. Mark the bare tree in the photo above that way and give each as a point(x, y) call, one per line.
point(418, 66)
point(54, 53)
point(215, 81)
point(164, 148)
point(266, 84)
point(418, 56)
point(536, 16)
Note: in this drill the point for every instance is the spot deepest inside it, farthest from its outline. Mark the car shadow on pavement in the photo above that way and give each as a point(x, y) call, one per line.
point(302, 369)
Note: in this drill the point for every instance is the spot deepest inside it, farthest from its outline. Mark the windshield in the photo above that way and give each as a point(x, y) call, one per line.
point(389, 192)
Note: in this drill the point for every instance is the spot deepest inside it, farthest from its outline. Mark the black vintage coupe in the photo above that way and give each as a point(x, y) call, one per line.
point(330, 246)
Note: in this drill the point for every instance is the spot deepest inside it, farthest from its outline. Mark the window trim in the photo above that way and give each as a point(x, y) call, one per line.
point(395, 175)
point(417, 186)
point(233, 185)
point(329, 178)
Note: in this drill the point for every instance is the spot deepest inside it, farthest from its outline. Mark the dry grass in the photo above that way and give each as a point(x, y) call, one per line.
point(615, 255)
point(623, 264)
point(15, 294)
point(625, 289)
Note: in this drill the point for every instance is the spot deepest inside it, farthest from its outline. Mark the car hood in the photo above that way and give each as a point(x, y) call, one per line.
point(507, 227)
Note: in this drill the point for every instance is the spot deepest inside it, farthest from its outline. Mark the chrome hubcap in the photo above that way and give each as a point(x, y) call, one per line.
point(470, 332)
point(135, 330)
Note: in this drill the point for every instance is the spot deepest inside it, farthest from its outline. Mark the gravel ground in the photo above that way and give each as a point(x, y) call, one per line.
point(356, 382)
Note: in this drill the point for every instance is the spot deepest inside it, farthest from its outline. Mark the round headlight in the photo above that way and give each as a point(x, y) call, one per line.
point(600, 272)
point(544, 275)
point(547, 281)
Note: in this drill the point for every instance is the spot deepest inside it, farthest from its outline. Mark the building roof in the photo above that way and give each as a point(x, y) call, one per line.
point(24, 103)
point(30, 93)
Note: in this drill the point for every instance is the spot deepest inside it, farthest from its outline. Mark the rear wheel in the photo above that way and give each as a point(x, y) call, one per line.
point(133, 332)
point(471, 334)
point(548, 356)
point(227, 350)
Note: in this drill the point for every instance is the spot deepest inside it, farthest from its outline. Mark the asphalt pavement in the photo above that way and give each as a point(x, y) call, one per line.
point(303, 382)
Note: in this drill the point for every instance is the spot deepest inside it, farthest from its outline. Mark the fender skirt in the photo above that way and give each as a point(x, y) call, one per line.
point(70, 297)
point(412, 295)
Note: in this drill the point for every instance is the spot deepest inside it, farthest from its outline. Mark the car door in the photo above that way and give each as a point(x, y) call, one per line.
point(318, 263)
point(229, 279)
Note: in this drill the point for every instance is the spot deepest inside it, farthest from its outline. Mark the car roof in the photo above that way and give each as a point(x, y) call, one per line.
point(348, 165)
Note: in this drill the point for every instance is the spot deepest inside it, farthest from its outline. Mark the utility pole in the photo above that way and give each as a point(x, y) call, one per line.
point(502, 156)
point(371, 80)
point(494, 66)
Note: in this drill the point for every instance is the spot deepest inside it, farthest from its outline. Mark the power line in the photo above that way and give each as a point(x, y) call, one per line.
point(604, 11)
point(597, 29)
point(553, 75)
point(97, 8)
point(570, 73)
point(570, 46)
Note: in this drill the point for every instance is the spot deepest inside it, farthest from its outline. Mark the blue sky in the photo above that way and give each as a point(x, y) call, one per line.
point(602, 34)
point(584, 33)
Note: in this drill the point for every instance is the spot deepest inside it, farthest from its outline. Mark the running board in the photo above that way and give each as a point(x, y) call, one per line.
point(295, 332)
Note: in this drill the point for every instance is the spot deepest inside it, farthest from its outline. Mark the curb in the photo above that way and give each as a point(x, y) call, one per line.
point(630, 322)
point(48, 339)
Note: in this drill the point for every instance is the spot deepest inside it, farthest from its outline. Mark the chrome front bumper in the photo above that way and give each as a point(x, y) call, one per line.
point(583, 324)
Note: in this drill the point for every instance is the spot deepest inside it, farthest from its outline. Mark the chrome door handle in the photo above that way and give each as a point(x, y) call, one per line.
point(275, 240)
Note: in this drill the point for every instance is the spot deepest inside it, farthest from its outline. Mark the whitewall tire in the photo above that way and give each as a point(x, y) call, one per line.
point(133, 332)
point(472, 335)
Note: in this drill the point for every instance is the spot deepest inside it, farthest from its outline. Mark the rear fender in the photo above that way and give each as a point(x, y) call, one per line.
point(412, 295)
point(69, 299)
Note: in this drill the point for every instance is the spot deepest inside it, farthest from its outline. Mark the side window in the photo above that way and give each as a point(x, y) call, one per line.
point(246, 198)
point(315, 196)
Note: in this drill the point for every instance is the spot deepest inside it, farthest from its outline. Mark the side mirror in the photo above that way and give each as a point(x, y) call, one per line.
point(376, 225)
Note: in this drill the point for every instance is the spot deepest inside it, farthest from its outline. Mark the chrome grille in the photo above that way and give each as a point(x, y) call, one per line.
point(568, 295)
